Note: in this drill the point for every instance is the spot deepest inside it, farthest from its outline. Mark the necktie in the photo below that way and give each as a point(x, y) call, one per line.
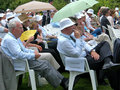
point(73, 39)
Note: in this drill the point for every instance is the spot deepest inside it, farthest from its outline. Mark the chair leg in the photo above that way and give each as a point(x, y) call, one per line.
point(32, 79)
point(71, 80)
point(93, 79)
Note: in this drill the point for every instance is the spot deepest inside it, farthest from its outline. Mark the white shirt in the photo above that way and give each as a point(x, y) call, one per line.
point(88, 22)
point(110, 19)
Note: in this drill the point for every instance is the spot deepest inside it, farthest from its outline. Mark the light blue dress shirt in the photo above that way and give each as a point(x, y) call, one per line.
point(69, 48)
point(15, 49)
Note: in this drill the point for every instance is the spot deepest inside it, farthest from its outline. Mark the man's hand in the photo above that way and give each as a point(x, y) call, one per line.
point(77, 34)
point(95, 55)
point(37, 55)
point(39, 47)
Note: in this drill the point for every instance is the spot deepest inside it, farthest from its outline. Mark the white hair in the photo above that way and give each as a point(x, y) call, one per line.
point(12, 24)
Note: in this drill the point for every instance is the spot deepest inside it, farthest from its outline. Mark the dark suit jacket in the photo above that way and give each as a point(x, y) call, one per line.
point(116, 51)
point(105, 22)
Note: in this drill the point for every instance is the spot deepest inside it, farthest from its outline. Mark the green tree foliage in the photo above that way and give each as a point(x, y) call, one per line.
point(108, 3)
point(12, 4)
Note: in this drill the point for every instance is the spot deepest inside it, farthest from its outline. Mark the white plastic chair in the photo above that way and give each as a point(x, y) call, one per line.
point(31, 75)
point(73, 74)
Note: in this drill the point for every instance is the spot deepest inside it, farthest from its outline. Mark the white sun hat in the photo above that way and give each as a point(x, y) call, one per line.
point(91, 11)
point(66, 22)
point(79, 15)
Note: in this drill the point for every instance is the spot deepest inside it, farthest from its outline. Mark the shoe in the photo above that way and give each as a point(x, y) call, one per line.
point(64, 83)
point(111, 66)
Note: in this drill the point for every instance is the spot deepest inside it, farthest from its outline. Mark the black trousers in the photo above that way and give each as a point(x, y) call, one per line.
point(103, 49)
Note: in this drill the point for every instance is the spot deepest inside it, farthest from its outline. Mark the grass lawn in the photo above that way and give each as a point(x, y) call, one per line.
point(83, 84)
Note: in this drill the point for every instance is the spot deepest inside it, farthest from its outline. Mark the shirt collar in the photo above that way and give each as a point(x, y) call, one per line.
point(11, 35)
point(66, 36)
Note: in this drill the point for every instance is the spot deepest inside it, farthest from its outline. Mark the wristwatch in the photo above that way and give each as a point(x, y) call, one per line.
point(92, 50)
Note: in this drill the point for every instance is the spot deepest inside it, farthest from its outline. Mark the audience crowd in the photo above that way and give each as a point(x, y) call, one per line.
point(82, 35)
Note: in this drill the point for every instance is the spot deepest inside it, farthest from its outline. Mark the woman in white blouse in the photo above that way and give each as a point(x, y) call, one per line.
point(111, 17)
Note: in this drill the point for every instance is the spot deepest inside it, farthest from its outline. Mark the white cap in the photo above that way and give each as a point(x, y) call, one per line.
point(91, 11)
point(79, 15)
point(9, 15)
point(8, 10)
point(66, 22)
point(38, 17)
point(116, 8)
point(1, 14)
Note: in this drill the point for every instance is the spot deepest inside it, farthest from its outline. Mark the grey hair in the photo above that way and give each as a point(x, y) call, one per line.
point(12, 24)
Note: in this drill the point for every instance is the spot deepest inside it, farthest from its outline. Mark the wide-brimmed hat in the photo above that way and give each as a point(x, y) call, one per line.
point(66, 22)
point(90, 11)
point(24, 17)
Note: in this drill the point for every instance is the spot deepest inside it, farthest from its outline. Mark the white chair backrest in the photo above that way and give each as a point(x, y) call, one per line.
point(104, 28)
point(74, 66)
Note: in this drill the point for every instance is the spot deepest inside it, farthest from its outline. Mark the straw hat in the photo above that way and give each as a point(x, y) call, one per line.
point(66, 22)
point(24, 17)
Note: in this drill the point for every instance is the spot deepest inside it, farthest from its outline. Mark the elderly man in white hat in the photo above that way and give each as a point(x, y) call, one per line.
point(75, 47)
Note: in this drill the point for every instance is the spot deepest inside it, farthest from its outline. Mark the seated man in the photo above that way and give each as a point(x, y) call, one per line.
point(98, 58)
point(12, 47)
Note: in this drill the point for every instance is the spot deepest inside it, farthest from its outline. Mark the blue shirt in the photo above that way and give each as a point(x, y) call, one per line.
point(68, 47)
point(15, 49)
